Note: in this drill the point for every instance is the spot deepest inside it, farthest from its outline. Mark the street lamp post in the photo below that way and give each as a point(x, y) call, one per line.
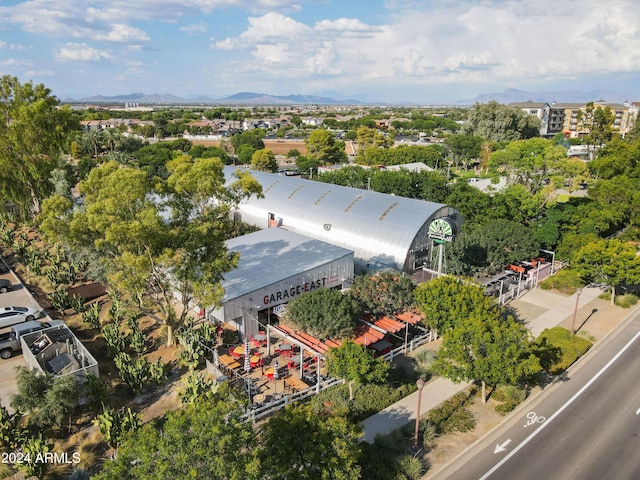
point(416, 442)
point(575, 312)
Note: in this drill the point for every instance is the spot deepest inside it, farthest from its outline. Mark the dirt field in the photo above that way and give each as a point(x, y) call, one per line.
point(279, 147)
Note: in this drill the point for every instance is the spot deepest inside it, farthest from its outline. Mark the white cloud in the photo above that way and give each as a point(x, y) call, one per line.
point(123, 34)
point(9, 46)
point(12, 62)
point(39, 73)
point(194, 28)
point(80, 52)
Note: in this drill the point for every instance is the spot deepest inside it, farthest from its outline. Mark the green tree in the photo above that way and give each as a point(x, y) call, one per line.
point(385, 293)
point(447, 301)
point(528, 162)
point(49, 400)
point(498, 122)
point(252, 138)
point(356, 364)
point(298, 443)
point(325, 313)
point(323, 147)
point(166, 245)
point(612, 262)
point(464, 148)
point(489, 348)
point(33, 134)
point(264, 160)
point(489, 247)
point(307, 165)
point(245, 153)
point(207, 439)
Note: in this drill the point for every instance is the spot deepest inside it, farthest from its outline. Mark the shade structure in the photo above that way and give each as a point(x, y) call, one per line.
point(247, 357)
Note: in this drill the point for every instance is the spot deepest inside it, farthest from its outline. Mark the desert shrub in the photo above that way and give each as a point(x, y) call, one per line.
point(382, 459)
point(557, 349)
point(452, 415)
point(195, 386)
point(96, 390)
point(136, 339)
point(115, 424)
point(12, 434)
point(626, 301)
point(60, 299)
point(34, 448)
point(368, 399)
point(91, 315)
point(409, 467)
point(510, 397)
point(133, 370)
point(115, 339)
point(429, 432)
point(566, 281)
point(77, 303)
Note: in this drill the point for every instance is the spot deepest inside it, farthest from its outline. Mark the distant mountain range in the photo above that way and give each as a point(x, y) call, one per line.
point(242, 98)
point(512, 95)
point(250, 98)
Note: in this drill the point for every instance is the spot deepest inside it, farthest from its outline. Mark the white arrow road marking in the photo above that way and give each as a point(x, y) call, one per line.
point(560, 410)
point(501, 448)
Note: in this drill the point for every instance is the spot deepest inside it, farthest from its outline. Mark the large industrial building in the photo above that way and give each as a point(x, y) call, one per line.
point(275, 266)
point(383, 231)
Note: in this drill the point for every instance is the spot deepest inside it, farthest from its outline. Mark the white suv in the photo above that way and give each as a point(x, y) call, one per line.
point(12, 315)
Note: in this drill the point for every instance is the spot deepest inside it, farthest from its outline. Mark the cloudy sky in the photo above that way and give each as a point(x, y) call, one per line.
point(384, 50)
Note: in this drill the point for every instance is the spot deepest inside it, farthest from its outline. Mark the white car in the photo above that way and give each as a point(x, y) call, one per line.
point(12, 315)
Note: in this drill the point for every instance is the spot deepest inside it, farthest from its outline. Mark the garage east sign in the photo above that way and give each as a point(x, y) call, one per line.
point(286, 294)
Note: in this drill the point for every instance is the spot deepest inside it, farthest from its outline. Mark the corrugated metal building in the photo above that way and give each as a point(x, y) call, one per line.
point(384, 231)
point(275, 266)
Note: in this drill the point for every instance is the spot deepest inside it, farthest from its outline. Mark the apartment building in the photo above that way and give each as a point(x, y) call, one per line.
point(571, 118)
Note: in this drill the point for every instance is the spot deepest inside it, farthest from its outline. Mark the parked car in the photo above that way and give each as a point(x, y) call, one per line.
point(10, 341)
point(13, 315)
point(5, 285)
point(3, 268)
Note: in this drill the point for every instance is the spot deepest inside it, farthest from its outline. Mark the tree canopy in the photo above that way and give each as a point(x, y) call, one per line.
point(323, 147)
point(447, 301)
point(498, 122)
point(302, 444)
point(489, 348)
point(486, 248)
point(325, 314)
point(34, 133)
point(612, 262)
point(264, 160)
point(384, 293)
point(356, 364)
point(165, 239)
point(207, 439)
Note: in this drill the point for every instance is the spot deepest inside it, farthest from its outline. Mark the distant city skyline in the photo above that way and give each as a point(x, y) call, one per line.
point(421, 51)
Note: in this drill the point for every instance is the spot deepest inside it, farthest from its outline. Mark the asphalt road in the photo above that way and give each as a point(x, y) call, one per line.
point(583, 427)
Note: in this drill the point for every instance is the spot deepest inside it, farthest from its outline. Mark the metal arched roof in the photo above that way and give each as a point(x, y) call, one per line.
point(378, 227)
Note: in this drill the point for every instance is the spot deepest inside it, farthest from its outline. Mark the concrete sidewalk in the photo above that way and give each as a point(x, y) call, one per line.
point(558, 307)
point(547, 310)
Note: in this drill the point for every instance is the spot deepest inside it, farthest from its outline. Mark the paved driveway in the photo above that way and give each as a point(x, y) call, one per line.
point(18, 296)
point(8, 384)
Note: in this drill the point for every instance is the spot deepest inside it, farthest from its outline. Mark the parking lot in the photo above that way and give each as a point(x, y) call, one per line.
point(17, 296)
